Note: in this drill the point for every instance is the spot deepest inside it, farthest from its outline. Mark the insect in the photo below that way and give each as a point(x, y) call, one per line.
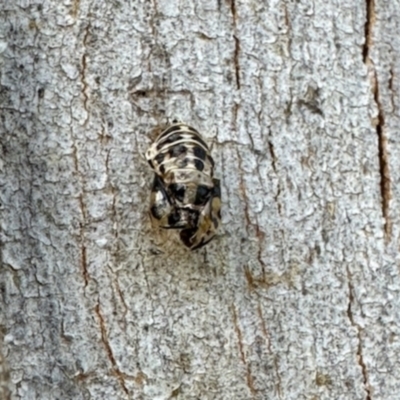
point(185, 195)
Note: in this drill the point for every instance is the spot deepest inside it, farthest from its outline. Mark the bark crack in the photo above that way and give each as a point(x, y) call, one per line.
point(369, 23)
point(82, 206)
point(360, 357)
point(385, 184)
point(268, 339)
point(249, 378)
point(85, 272)
point(236, 53)
point(82, 239)
point(243, 191)
point(153, 18)
point(236, 60)
point(383, 163)
point(75, 8)
point(116, 237)
point(273, 162)
point(259, 233)
point(120, 294)
point(84, 83)
point(104, 338)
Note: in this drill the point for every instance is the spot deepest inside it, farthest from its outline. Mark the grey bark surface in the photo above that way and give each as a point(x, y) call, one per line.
point(298, 297)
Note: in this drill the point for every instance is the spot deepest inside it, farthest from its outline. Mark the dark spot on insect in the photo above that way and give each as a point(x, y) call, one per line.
point(216, 192)
point(198, 139)
point(40, 93)
point(183, 163)
point(199, 152)
point(186, 236)
point(199, 165)
point(159, 158)
point(193, 218)
point(170, 130)
point(155, 212)
point(162, 169)
point(215, 222)
point(177, 150)
point(174, 218)
point(193, 130)
point(202, 195)
point(158, 185)
point(178, 191)
point(21, 67)
point(171, 139)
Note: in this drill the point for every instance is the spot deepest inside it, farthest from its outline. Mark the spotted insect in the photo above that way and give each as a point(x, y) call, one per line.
point(185, 195)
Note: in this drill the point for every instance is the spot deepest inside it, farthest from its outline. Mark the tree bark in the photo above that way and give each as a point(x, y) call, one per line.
point(298, 297)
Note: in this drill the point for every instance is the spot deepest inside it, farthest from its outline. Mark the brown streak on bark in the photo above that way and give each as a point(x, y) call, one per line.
point(75, 158)
point(104, 338)
point(380, 125)
point(235, 116)
point(75, 8)
point(236, 61)
point(121, 295)
point(259, 233)
point(104, 138)
point(369, 23)
point(243, 191)
point(84, 263)
point(249, 378)
point(84, 83)
point(260, 236)
point(390, 83)
point(360, 357)
point(272, 153)
point(249, 277)
point(83, 376)
point(268, 339)
point(273, 163)
point(82, 207)
point(237, 43)
point(114, 213)
point(233, 10)
point(118, 291)
point(384, 169)
point(114, 197)
point(85, 272)
point(287, 22)
point(115, 227)
point(152, 23)
point(84, 86)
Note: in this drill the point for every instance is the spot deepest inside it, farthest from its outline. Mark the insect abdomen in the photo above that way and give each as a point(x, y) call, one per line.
point(185, 195)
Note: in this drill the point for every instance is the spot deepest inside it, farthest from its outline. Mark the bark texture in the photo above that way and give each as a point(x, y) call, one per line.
point(299, 296)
